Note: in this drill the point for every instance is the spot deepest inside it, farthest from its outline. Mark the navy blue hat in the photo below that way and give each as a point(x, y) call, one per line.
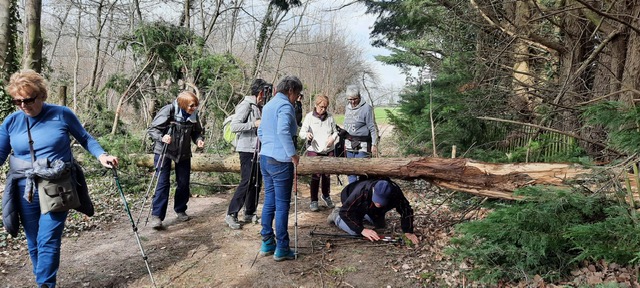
point(381, 192)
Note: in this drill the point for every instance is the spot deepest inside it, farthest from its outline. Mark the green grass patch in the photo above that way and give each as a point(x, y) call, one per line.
point(380, 112)
point(338, 271)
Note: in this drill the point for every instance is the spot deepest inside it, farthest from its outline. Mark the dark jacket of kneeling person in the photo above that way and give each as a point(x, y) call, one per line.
point(358, 201)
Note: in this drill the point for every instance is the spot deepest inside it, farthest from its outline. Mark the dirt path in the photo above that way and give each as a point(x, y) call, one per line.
point(205, 252)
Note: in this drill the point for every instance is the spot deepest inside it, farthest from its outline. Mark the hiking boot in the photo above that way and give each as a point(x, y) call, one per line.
point(232, 221)
point(327, 200)
point(331, 219)
point(268, 247)
point(313, 206)
point(156, 223)
point(251, 218)
point(284, 254)
point(183, 217)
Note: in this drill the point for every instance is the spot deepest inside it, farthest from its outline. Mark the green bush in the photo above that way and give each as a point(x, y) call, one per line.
point(615, 239)
point(547, 235)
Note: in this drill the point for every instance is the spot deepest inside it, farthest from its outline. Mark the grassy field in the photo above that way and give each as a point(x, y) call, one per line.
point(381, 116)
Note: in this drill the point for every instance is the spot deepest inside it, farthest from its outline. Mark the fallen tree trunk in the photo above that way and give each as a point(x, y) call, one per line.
point(465, 175)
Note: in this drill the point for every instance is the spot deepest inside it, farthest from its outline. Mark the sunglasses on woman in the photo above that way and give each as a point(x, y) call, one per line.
point(26, 101)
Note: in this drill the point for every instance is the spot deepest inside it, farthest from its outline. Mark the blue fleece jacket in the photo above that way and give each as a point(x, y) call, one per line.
point(277, 129)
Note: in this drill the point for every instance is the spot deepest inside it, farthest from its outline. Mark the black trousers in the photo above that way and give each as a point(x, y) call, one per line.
point(248, 190)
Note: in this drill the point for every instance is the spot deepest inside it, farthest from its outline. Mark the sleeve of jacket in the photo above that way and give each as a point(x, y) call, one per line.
point(373, 130)
point(334, 128)
point(305, 127)
point(351, 211)
point(240, 122)
point(406, 212)
point(160, 123)
point(198, 132)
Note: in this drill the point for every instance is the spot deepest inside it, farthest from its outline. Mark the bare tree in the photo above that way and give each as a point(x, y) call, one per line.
point(33, 36)
point(6, 36)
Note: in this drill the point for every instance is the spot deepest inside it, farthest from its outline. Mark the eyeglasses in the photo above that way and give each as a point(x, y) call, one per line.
point(26, 101)
point(353, 99)
point(193, 106)
point(321, 107)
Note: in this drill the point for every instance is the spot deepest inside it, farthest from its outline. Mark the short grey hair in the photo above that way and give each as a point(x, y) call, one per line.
point(289, 82)
point(352, 91)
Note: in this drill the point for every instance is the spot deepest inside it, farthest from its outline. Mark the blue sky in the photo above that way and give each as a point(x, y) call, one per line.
point(358, 24)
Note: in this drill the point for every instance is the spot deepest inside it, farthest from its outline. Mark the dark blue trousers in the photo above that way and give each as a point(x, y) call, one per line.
point(161, 197)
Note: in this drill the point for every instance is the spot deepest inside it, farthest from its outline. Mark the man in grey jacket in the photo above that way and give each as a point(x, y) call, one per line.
point(245, 124)
point(362, 138)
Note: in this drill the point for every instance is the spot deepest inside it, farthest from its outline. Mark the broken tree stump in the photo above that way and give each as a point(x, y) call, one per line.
point(483, 179)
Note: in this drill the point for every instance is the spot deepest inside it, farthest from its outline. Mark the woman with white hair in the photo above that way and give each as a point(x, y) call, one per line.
point(362, 138)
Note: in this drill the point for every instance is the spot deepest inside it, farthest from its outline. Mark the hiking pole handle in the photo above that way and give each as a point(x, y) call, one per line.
point(113, 168)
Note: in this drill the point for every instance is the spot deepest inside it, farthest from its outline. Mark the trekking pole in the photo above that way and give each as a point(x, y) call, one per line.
point(295, 207)
point(313, 233)
point(383, 239)
point(157, 179)
point(254, 176)
point(133, 224)
point(153, 177)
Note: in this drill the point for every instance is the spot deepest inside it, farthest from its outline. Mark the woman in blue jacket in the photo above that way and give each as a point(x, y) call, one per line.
point(277, 160)
point(50, 127)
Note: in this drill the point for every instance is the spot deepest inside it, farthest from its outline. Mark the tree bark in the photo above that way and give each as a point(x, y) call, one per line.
point(5, 36)
point(33, 47)
point(465, 175)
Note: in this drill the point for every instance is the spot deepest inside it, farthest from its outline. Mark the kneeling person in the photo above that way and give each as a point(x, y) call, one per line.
point(370, 200)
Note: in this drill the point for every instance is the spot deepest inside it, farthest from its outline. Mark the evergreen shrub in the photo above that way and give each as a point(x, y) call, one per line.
point(547, 234)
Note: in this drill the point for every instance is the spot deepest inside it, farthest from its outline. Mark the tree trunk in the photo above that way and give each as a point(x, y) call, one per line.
point(33, 47)
point(62, 95)
point(76, 62)
point(62, 21)
point(630, 79)
point(5, 35)
point(465, 175)
point(96, 55)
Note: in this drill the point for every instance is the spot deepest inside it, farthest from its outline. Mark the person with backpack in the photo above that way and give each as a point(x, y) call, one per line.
point(245, 123)
point(321, 134)
point(369, 200)
point(361, 131)
point(173, 128)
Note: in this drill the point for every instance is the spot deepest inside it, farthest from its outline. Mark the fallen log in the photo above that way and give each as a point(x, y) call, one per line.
point(460, 174)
